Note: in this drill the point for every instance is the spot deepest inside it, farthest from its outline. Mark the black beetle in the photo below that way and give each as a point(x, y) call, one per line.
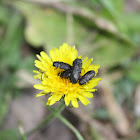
point(61, 65)
point(86, 77)
point(73, 72)
point(65, 74)
point(76, 70)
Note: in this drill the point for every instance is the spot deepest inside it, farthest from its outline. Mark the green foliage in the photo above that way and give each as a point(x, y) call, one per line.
point(12, 41)
point(95, 134)
point(9, 55)
point(109, 53)
point(123, 91)
point(11, 134)
point(101, 114)
point(28, 63)
point(137, 124)
point(4, 14)
point(44, 31)
point(40, 24)
point(134, 71)
point(132, 20)
point(49, 28)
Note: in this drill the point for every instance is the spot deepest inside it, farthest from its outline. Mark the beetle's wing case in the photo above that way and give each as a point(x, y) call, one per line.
point(86, 77)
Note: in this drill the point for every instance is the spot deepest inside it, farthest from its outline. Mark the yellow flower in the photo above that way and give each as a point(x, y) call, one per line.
point(58, 87)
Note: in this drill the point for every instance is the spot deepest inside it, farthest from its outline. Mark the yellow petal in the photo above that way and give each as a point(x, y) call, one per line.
point(91, 90)
point(92, 83)
point(80, 57)
point(38, 76)
point(36, 71)
point(67, 100)
point(65, 47)
point(53, 54)
point(50, 98)
point(87, 63)
point(96, 67)
point(93, 67)
point(45, 64)
point(41, 94)
point(46, 57)
point(38, 56)
point(56, 97)
point(74, 103)
point(40, 86)
point(39, 65)
point(87, 94)
point(84, 100)
point(48, 103)
point(85, 60)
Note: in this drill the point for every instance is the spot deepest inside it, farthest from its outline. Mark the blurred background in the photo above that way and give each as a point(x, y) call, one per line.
point(107, 30)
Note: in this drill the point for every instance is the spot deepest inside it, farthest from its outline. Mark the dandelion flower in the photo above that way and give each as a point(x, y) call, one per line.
point(62, 88)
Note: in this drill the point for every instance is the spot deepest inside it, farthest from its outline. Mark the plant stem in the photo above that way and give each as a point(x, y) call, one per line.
point(21, 131)
point(56, 113)
point(23, 137)
point(47, 120)
point(67, 123)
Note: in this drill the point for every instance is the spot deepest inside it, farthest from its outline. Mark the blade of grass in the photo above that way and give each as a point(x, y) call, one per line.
point(67, 123)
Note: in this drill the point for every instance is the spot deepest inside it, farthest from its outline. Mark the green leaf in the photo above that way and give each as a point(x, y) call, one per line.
point(132, 20)
point(101, 114)
point(48, 27)
point(28, 63)
point(123, 90)
point(7, 81)
point(12, 41)
point(4, 14)
point(112, 6)
point(110, 52)
point(11, 134)
point(43, 27)
point(134, 71)
point(9, 59)
point(108, 5)
point(4, 104)
point(111, 10)
point(118, 5)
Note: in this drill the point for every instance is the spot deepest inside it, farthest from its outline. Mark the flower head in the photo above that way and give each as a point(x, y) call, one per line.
point(58, 87)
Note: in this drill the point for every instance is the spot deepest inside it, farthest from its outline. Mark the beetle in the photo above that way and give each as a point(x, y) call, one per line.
point(73, 72)
point(76, 70)
point(86, 77)
point(61, 65)
point(65, 74)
